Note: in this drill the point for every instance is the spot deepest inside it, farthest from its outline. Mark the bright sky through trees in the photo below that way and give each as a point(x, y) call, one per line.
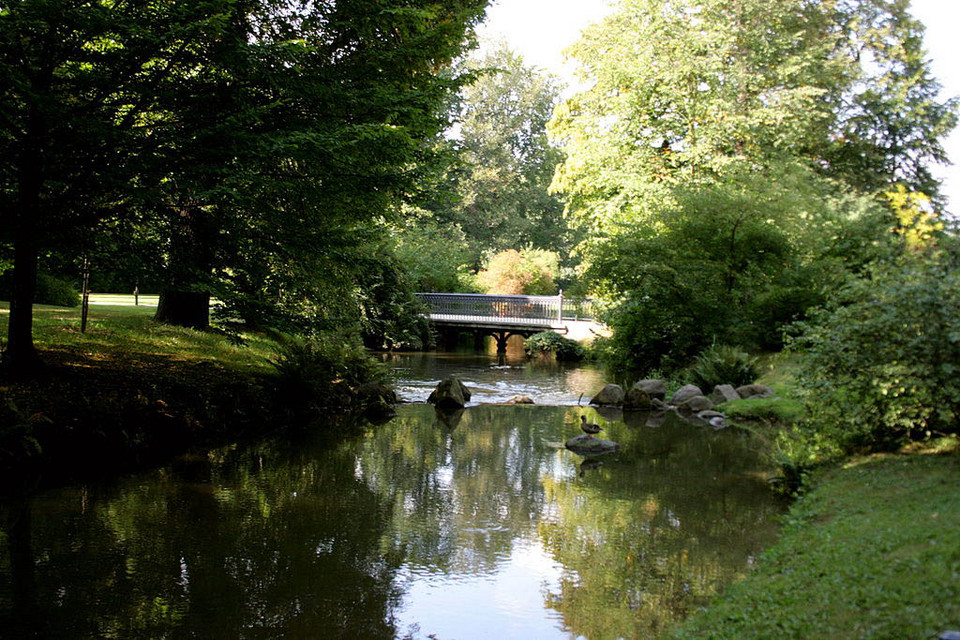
point(541, 29)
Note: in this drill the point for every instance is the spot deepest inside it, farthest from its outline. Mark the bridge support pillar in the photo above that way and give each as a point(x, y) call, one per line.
point(501, 337)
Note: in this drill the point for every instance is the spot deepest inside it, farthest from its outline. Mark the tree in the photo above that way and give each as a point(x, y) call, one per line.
point(506, 159)
point(337, 106)
point(512, 272)
point(704, 162)
point(238, 135)
point(75, 102)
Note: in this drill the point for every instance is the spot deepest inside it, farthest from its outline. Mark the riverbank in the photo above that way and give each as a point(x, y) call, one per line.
point(872, 550)
point(128, 393)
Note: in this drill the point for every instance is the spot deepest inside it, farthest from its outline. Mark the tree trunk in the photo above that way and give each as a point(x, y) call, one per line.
point(20, 355)
point(184, 308)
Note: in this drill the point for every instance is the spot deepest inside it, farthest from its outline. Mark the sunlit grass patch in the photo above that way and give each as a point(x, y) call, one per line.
point(872, 552)
point(125, 332)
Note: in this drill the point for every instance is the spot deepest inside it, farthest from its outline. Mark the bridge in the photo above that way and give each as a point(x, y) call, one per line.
point(502, 316)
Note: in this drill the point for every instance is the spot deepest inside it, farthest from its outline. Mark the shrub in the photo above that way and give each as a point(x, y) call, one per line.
point(320, 371)
point(50, 290)
point(880, 364)
point(722, 364)
point(563, 348)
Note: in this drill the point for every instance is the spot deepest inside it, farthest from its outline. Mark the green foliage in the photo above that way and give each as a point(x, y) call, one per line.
point(712, 162)
point(16, 433)
point(880, 363)
point(869, 552)
point(781, 410)
point(434, 257)
point(723, 364)
point(512, 272)
point(565, 349)
point(506, 160)
point(50, 290)
point(321, 370)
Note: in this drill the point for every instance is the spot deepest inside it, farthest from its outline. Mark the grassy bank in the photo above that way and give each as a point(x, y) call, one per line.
point(872, 551)
point(129, 391)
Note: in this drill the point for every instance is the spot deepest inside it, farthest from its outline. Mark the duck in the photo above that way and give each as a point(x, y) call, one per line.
point(588, 427)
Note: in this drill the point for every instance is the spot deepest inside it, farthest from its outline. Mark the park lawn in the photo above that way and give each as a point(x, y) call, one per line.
point(125, 333)
point(871, 551)
point(129, 392)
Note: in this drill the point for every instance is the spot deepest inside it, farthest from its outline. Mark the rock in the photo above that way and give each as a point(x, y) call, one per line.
point(371, 393)
point(450, 394)
point(638, 400)
point(660, 405)
point(756, 391)
point(724, 393)
point(715, 419)
point(684, 393)
point(610, 394)
point(695, 404)
point(653, 388)
point(589, 446)
point(518, 399)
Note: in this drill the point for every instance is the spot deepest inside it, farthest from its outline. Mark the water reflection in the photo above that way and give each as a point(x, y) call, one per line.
point(410, 529)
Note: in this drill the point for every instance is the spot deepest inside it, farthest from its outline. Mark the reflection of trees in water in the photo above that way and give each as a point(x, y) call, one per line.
point(647, 538)
point(463, 496)
point(305, 538)
point(248, 546)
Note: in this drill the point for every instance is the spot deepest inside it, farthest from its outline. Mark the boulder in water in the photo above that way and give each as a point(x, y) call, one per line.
point(611, 394)
point(684, 393)
point(450, 394)
point(589, 446)
point(653, 388)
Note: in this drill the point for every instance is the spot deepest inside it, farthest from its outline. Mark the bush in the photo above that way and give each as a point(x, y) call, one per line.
point(512, 272)
point(565, 349)
point(50, 290)
point(880, 364)
point(722, 364)
point(321, 371)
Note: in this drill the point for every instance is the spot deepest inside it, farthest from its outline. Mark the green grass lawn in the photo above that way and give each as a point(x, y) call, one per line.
point(872, 551)
point(116, 329)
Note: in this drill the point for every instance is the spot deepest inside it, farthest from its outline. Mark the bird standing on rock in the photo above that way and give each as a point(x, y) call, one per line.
point(588, 427)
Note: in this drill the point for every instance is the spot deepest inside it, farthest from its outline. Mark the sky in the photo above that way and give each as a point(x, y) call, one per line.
point(541, 29)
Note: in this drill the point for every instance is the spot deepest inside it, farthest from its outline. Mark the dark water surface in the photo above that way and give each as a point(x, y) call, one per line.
point(474, 525)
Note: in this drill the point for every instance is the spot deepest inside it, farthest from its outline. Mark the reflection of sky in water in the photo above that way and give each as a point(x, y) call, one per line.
point(505, 603)
point(490, 382)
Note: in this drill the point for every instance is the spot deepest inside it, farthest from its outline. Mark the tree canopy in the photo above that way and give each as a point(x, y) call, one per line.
point(729, 160)
point(255, 144)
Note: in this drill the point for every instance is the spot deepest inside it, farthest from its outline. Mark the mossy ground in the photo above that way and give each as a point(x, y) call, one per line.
point(872, 550)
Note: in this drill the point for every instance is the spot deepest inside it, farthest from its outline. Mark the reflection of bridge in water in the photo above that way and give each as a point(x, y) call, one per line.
point(503, 316)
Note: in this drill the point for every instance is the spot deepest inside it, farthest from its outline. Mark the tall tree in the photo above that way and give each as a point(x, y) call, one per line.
point(507, 160)
point(711, 157)
point(332, 109)
point(75, 102)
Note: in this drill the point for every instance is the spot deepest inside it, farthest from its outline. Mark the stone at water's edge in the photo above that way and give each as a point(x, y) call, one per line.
point(684, 393)
point(611, 394)
point(653, 388)
point(450, 394)
point(589, 446)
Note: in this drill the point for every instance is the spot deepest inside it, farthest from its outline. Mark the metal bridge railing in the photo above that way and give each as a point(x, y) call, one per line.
point(478, 307)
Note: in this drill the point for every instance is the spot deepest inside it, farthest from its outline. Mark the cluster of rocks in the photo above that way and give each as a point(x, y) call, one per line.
point(688, 401)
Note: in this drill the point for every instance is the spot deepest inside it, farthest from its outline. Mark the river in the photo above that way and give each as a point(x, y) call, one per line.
point(476, 524)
